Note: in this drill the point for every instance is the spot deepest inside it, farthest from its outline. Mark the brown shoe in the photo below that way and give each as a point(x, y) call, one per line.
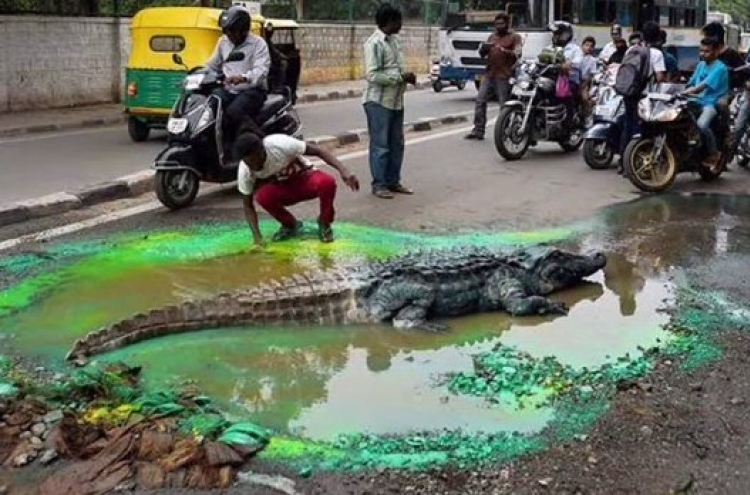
point(382, 193)
point(400, 189)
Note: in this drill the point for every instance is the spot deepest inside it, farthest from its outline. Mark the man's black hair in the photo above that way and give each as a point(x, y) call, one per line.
point(503, 16)
point(714, 30)
point(662, 36)
point(635, 35)
point(712, 42)
point(247, 143)
point(385, 14)
point(651, 32)
point(589, 39)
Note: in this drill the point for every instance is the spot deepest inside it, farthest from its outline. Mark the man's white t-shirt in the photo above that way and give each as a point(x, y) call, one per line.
point(283, 159)
point(657, 61)
point(608, 50)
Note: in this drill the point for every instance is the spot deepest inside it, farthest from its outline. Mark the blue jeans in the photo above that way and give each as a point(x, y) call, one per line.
point(704, 123)
point(386, 130)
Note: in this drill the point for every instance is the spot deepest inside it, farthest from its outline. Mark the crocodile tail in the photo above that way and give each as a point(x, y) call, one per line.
point(325, 298)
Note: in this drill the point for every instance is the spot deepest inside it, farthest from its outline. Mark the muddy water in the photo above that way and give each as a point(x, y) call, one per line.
point(318, 382)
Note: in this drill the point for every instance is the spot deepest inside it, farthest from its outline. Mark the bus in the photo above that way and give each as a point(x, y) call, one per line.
point(467, 24)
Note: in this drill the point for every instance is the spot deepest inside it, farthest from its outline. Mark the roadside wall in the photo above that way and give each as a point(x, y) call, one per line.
point(50, 62)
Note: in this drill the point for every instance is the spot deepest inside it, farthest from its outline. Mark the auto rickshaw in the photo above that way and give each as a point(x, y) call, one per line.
point(153, 80)
point(280, 36)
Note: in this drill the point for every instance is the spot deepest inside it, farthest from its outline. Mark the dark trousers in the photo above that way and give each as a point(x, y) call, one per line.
point(489, 86)
point(630, 126)
point(240, 110)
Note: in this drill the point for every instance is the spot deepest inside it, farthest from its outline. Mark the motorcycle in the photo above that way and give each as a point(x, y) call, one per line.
point(196, 149)
point(602, 140)
point(534, 113)
point(742, 151)
point(670, 141)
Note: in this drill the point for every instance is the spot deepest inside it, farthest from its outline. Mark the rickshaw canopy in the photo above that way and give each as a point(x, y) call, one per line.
point(158, 32)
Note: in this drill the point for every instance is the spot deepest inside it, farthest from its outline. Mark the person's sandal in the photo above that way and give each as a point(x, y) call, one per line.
point(325, 233)
point(382, 193)
point(400, 189)
point(285, 233)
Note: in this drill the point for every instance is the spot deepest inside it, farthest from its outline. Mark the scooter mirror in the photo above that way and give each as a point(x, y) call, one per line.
point(177, 59)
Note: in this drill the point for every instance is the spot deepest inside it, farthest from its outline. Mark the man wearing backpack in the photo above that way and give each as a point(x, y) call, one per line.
point(640, 66)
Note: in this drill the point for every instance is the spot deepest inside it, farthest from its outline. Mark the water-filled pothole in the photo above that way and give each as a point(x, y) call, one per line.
point(319, 382)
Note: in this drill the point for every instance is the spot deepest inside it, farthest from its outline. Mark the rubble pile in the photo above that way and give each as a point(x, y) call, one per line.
point(110, 434)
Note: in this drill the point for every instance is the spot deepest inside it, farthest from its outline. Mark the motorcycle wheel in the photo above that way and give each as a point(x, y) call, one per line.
point(437, 86)
point(598, 154)
point(176, 188)
point(510, 141)
point(575, 140)
point(743, 154)
point(642, 173)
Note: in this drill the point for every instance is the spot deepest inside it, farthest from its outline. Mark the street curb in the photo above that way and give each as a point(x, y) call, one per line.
point(122, 118)
point(142, 182)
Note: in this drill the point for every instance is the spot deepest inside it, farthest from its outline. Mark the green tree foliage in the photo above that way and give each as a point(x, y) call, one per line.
point(739, 9)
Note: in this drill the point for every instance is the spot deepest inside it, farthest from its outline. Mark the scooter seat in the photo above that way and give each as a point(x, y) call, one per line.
point(273, 104)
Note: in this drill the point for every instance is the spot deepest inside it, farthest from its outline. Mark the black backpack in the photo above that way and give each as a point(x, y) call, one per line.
point(632, 76)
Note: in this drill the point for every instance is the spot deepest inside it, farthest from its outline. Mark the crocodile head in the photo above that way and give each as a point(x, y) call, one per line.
point(553, 269)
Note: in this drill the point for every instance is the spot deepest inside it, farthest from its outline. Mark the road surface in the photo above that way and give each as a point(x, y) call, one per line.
point(458, 184)
point(33, 166)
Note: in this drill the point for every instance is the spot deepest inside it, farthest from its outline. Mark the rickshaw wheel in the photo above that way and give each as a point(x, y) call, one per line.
point(138, 129)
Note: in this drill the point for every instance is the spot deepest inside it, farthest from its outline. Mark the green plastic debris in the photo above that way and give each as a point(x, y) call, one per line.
point(248, 434)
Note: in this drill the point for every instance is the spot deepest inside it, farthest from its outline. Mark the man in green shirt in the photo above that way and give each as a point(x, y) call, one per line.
point(384, 102)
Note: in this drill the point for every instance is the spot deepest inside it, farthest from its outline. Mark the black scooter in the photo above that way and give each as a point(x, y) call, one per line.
point(196, 150)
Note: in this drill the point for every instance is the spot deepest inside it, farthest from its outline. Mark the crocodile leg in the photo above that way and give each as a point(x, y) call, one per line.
point(503, 291)
point(407, 304)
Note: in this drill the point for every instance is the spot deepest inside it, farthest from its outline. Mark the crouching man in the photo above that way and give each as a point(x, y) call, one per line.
point(275, 173)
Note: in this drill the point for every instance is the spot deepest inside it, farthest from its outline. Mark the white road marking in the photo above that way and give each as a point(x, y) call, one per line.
point(155, 205)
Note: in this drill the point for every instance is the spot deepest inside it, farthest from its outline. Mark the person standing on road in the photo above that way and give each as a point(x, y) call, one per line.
point(274, 172)
point(384, 102)
point(502, 49)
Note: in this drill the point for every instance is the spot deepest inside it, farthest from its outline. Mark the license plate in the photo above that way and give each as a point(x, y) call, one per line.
point(176, 126)
point(521, 92)
point(604, 110)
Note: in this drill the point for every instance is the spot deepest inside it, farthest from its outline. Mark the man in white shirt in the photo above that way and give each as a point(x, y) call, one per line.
point(610, 48)
point(275, 173)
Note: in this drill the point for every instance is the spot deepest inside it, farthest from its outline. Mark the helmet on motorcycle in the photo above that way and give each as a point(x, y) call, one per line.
point(235, 18)
point(562, 32)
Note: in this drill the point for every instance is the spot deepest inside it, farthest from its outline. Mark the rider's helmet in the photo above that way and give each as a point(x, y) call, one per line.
point(562, 32)
point(235, 18)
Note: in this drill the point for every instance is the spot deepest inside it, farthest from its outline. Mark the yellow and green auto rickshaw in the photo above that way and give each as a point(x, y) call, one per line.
point(153, 80)
point(280, 34)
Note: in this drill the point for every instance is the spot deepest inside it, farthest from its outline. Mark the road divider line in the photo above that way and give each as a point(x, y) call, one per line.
point(142, 182)
point(212, 189)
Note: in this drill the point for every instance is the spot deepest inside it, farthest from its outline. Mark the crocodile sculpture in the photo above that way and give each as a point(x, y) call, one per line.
point(408, 291)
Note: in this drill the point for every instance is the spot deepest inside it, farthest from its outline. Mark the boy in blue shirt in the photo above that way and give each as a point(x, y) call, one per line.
point(710, 82)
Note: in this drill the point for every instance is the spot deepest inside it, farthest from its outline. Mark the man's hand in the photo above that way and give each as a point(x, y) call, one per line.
point(234, 80)
point(410, 78)
point(350, 180)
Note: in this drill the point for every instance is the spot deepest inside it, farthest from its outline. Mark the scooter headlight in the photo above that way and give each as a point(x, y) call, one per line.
point(205, 118)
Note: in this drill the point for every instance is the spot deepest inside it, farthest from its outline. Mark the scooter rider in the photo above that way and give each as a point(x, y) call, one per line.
point(246, 85)
point(562, 37)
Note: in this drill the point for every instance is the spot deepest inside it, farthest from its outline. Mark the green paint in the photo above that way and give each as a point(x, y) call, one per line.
point(544, 384)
